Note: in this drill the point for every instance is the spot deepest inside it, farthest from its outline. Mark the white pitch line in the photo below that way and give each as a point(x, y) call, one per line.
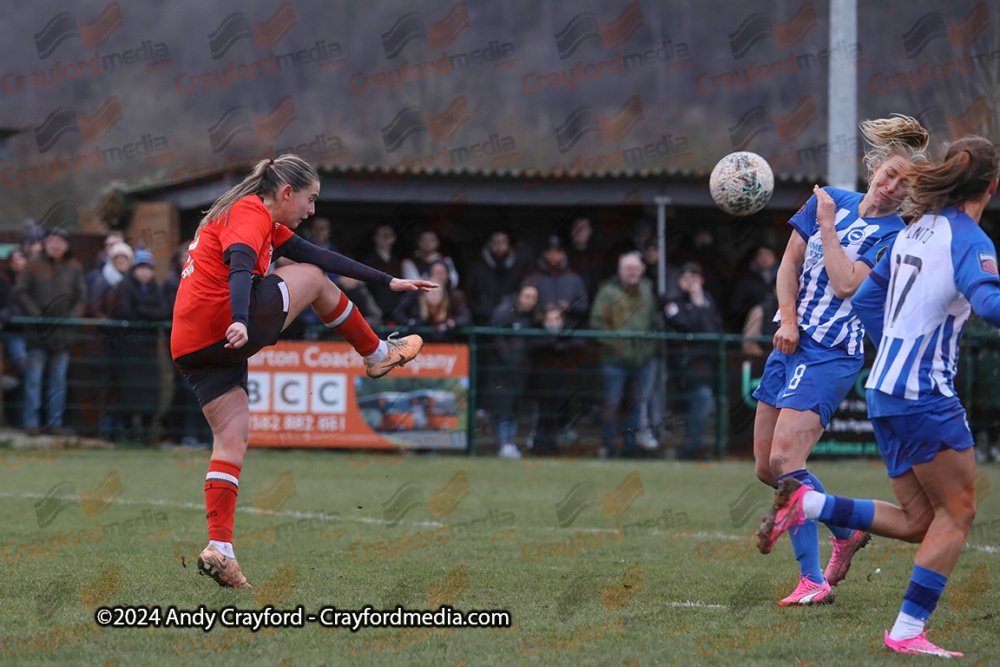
point(248, 510)
point(715, 535)
point(699, 605)
point(984, 547)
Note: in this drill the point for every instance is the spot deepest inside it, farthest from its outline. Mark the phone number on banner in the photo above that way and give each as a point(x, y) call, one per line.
point(272, 422)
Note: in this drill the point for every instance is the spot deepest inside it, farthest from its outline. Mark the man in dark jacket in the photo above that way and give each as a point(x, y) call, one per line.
point(548, 358)
point(383, 258)
point(754, 285)
point(589, 261)
point(51, 286)
point(498, 272)
point(560, 285)
point(694, 363)
point(509, 377)
point(142, 300)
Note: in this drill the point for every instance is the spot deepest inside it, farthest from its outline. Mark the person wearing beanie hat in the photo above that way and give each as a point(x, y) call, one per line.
point(104, 302)
point(102, 291)
point(143, 300)
point(144, 257)
point(31, 242)
point(103, 257)
point(559, 284)
point(122, 249)
point(57, 231)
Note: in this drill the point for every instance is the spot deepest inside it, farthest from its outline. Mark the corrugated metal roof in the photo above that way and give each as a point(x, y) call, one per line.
point(670, 174)
point(373, 183)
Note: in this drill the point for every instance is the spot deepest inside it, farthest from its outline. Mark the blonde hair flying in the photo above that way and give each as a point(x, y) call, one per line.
point(265, 179)
point(896, 135)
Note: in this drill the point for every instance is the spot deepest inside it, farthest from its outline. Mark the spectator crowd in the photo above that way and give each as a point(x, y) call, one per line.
point(570, 284)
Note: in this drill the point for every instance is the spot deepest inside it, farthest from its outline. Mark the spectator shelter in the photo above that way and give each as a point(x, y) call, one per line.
point(627, 209)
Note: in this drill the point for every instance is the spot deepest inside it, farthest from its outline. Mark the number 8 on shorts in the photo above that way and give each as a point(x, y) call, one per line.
point(793, 382)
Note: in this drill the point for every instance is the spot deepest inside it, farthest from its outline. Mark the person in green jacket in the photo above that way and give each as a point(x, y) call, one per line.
point(625, 303)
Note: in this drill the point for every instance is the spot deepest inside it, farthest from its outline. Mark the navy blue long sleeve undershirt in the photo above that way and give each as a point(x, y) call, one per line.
point(242, 259)
point(298, 249)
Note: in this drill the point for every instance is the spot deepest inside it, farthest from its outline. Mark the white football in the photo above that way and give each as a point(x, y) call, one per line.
point(741, 183)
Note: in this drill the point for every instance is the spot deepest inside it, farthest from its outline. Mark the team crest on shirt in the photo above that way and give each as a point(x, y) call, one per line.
point(988, 263)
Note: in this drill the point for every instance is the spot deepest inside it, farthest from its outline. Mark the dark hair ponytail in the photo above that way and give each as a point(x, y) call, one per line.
point(969, 167)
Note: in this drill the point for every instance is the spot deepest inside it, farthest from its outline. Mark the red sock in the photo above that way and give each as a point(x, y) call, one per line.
point(221, 486)
point(347, 321)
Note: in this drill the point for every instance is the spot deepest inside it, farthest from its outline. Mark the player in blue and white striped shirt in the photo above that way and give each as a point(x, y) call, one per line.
point(819, 347)
point(914, 306)
point(933, 270)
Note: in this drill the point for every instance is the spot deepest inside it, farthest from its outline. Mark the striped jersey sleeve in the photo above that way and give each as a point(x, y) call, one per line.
point(934, 266)
point(827, 319)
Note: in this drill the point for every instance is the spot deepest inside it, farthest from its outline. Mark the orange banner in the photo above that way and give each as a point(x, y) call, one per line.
point(317, 395)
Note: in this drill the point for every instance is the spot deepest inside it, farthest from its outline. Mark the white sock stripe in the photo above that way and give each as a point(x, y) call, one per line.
point(222, 477)
point(906, 627)
point(225, 547)
point(812, 504)
point(284, 295)
point(343, 316)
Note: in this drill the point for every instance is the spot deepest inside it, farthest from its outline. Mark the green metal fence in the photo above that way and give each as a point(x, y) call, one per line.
point(122, 369)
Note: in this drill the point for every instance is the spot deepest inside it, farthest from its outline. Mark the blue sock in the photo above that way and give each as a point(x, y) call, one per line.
point(848, 513)
point(805, 538)
point(923, 593)
point(839, 532)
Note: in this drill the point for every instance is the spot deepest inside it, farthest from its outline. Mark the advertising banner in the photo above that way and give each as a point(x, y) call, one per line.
point(849, 432)
point(316, 394)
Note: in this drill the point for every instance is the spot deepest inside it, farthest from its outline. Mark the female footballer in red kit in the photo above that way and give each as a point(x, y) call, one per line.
point(228, 309)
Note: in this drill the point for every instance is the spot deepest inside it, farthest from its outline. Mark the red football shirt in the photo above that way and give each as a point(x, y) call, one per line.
point(202, 312)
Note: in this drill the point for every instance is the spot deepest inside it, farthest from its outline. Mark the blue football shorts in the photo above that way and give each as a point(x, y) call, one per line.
point(814, 377)
point(909, 440)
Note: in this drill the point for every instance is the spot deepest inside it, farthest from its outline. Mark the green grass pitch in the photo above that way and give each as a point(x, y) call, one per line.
point(598, 562)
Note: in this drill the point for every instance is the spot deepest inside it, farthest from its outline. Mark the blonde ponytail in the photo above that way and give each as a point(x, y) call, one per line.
point(266, 179)
point(897, 135)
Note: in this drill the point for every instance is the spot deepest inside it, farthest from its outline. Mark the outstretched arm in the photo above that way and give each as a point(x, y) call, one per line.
point(976, 274)
point(298, 249)
point(403, 285)
point(986, 302)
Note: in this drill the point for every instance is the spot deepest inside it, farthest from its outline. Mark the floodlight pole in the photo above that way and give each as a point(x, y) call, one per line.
point(843, 93)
